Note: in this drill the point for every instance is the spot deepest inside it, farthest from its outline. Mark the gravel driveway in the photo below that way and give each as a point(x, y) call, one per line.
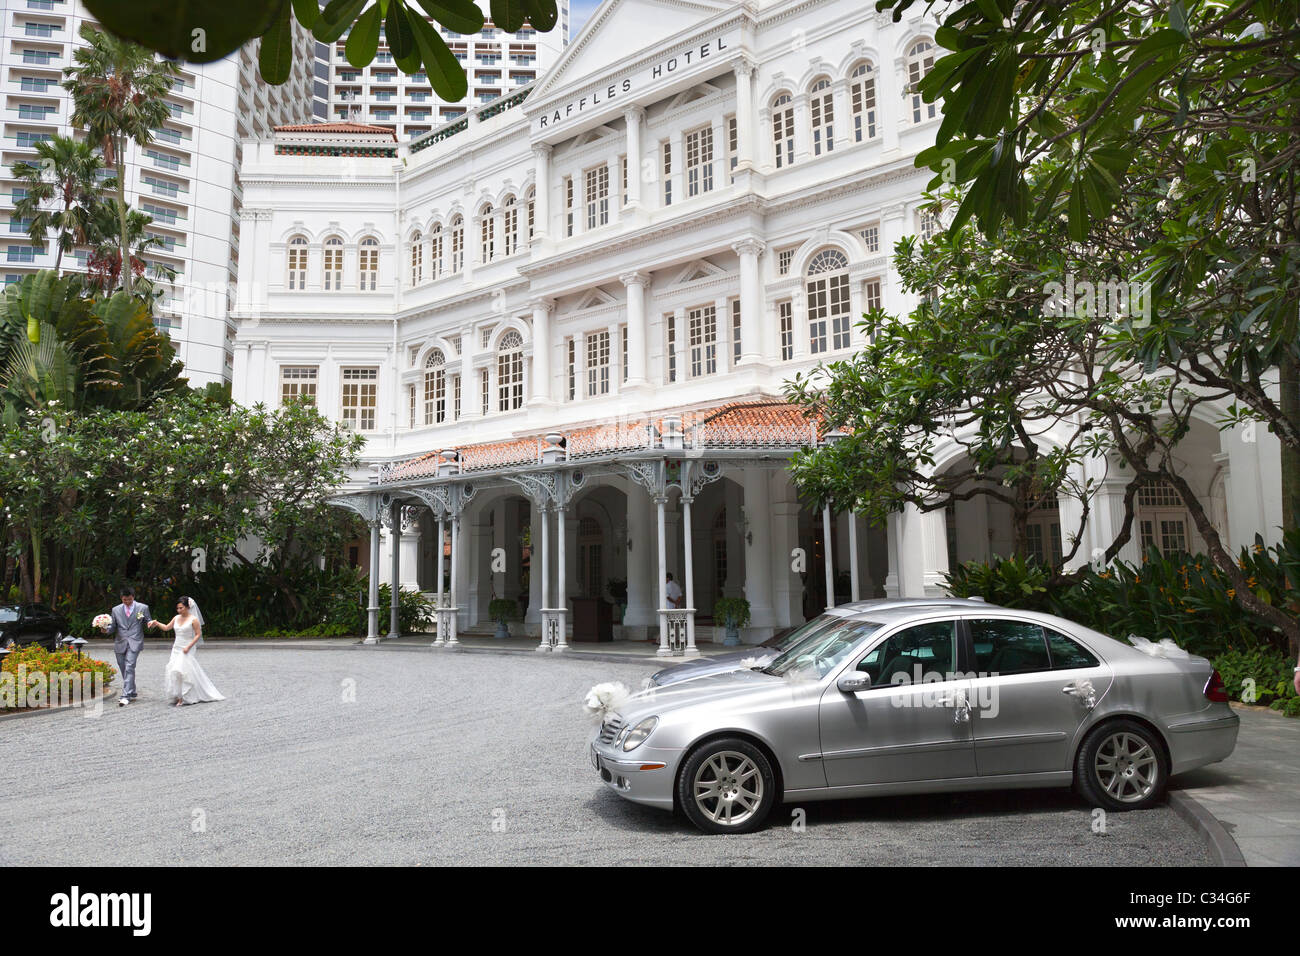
point(415, 756)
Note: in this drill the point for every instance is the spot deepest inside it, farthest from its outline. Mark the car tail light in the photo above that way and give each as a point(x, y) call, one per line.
point(1215, 690)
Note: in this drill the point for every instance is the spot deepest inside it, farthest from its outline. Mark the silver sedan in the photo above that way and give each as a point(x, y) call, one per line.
point(912, 697)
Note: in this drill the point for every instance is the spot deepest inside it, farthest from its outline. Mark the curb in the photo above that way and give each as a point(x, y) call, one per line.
point(1223, 847)
point(109, 695)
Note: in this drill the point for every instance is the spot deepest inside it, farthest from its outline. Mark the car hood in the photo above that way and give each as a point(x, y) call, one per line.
point(732, 689)
point(718, 664)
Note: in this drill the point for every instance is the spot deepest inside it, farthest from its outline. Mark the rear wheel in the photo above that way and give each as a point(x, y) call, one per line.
point(727, 786)
point(1122, 766)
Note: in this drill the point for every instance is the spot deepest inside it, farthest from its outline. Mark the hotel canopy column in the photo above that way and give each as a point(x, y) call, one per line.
point(372, 611)
point(439, 638)
point(453, 607)
point(828, 556)
point(395, 579)
point(689, 572)
point(660, 500)
point(562, 599)
point(548, 615)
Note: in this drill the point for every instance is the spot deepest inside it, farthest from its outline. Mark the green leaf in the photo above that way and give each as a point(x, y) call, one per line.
point(363, 40)
point(459, 16)
point(307, 12)
point(542, 14)
point(401, 39)
point(508, 14)
point(445, 72)
point(335, 19)
point(275, 55)
point(199, 31)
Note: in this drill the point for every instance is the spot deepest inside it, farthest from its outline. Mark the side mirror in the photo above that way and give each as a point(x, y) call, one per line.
point(853, 682)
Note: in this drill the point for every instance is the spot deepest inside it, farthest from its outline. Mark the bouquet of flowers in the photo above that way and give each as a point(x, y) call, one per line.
point(602, 698)
point(102, 621)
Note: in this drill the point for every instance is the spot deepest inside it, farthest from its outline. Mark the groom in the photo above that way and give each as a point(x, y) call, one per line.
point(130, 618)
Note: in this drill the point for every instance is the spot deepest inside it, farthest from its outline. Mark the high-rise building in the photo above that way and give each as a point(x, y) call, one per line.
point(496, 63)
point(187, 179)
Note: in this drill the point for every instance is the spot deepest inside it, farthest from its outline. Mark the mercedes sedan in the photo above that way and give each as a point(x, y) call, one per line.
point(908, 697)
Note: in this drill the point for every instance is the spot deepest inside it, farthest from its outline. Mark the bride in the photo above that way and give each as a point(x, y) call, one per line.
point(186, 682)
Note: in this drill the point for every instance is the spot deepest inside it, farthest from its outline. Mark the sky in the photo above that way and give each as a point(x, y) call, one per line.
point(580, 12)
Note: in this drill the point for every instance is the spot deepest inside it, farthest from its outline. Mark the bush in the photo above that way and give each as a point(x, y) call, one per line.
point(414, 610)
point(503, 609)
point(733, 612)
point(1260, 676)
point(35, 659)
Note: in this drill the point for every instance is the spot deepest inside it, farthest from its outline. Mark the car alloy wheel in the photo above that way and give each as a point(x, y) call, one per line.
point(1126, 767)
point(1122, 766)
point(727, 786)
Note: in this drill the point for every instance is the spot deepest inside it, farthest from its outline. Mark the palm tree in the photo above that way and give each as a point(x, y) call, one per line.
point(118, 92)
point(65, 173)
point(105, 263)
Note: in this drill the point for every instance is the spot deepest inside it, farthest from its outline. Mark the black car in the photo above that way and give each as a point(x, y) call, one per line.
point(31, 624)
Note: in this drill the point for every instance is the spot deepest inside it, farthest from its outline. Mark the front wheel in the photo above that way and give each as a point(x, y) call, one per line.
point(727, 786)
point(1122, 766)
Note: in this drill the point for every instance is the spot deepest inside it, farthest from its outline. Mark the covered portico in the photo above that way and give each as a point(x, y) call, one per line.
point(704, 495)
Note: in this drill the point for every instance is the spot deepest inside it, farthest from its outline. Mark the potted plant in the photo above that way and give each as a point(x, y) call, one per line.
point(503, 610)
point(618, 591)
point(734, 613)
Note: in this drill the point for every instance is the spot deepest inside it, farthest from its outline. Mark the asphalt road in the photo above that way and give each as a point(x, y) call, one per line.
point(400, 756)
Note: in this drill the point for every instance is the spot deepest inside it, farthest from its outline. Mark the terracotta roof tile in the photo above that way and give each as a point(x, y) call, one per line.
point(344, 127)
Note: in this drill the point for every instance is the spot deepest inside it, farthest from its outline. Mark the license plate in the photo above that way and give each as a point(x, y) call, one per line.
point(595, 757)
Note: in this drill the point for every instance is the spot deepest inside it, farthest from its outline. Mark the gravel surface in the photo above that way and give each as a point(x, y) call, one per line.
point(446, 758)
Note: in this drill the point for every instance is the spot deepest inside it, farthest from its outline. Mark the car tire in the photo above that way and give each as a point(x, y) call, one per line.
point(727, 786)
point(55, 640)
point(1122, 766)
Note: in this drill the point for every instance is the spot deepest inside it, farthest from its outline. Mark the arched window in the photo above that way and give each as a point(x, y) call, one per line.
point(827, 284)
point(862, 94)
point(435, 388)
point(783, 129)
point(509, 227)
point(510, 372)
point(435, 251)
point(333, 265)
point(1163, 519)
point(297, 263)
point(822, 111)
point(457, 244)
point(487, 234)
point(531, 203)
point(417, 258)
point(368, 264)
point(920, 60)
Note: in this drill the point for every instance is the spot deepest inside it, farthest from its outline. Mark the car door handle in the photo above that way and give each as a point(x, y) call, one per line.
point(1083, 690)
point(961, 704)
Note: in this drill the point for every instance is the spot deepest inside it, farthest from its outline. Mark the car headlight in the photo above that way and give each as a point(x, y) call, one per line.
point(636, 736)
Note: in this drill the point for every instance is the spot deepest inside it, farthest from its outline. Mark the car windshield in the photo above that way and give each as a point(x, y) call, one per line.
point(8, 615)
point(822, 651)
point(783, 642)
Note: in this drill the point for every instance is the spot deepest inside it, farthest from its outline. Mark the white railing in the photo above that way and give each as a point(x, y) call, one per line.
point(553, 629)
point(445, 621)
point(677, 632)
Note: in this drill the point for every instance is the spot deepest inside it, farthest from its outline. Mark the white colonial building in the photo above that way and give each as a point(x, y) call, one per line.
point(563, 323)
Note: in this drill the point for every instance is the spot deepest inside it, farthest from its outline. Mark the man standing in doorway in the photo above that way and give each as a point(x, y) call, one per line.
point(674, 592)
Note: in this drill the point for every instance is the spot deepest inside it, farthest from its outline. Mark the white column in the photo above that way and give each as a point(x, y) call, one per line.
point(802, 128)
point(663, 651)
point(688, 548)
point(744, 70)
point(395, 578)
point(455, 576)
point(440, 637)
point(542, 349)
point(471, 399)
point(542, 191)
point(535, 581)
point(679, 323)
point(641, 609)
point(842, 125)
point(722, 333)
point(635, 283)
point(546, 572)
point(758, 552)
point(853, 555)
point(828, 555)
point(372, 611)
point(616, 356)
point(721, 172)
point(634, 117)
point(562, 601)
point(751, 301)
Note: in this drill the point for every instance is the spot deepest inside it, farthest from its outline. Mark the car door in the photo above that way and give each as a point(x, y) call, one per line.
point(39, 625)
point(1029, 696)
point(912, 724)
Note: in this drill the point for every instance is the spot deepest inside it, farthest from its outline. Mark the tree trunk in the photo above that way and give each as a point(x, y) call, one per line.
point(121, 217)
point(1289, 384)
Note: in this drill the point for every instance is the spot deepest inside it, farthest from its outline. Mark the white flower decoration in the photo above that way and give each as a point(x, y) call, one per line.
point(603, 698)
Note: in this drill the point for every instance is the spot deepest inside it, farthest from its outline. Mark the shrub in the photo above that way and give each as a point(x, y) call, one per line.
point(35, 659)
point(414, 610)
point(734, 612)
point(503, 609)
point(1265, 671)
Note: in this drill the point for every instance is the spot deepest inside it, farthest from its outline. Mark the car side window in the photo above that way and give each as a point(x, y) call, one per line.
point(913, 653)
point(1008, 647)
point(1067, 654)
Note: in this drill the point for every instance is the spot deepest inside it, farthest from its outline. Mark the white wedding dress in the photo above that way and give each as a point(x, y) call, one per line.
point(185, 678)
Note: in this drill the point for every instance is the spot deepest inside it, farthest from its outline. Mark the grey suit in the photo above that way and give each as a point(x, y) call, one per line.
point(127, 629)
